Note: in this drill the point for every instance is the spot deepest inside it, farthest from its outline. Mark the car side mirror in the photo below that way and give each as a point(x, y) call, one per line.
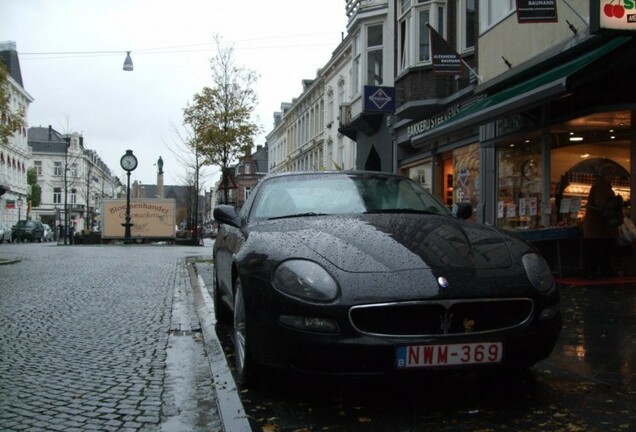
point(227, 214)
point(463, 210)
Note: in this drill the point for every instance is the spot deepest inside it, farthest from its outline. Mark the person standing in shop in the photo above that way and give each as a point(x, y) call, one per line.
point(599, 238)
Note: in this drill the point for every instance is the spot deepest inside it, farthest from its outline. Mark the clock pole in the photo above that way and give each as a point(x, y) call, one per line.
point(127, 225)
point(128, 163)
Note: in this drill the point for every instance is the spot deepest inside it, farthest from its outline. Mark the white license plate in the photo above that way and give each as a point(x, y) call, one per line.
point(449, 354)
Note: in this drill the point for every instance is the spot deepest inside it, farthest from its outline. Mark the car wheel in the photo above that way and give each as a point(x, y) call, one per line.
point(221, 312)
point(243, 356)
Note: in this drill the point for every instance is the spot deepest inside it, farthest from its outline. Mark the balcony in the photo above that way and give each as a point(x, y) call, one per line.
point(355, 6)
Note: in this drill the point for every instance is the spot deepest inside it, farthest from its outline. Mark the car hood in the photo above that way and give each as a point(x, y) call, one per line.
point(396, 242)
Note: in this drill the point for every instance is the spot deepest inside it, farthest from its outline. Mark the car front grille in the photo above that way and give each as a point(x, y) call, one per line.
point(443, 317)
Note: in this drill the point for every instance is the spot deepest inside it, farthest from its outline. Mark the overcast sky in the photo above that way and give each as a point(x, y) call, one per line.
point(171, 44)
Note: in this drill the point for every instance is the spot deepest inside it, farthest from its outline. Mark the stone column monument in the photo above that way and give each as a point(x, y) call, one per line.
point(160, 178)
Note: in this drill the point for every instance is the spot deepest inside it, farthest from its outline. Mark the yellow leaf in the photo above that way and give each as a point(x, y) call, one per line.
point(270, 428)
point(364, 419)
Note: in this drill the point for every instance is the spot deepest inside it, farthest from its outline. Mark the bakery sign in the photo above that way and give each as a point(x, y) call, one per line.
point(613, 14)
point(431, 122)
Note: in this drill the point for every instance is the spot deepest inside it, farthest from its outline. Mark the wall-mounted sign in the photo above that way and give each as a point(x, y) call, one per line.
point(379, 99)
point(612, 15)
point(536, 11)
point(431, 122)
point(445, 59)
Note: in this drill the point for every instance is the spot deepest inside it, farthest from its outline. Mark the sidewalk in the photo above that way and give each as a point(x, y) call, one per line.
point(598, 339)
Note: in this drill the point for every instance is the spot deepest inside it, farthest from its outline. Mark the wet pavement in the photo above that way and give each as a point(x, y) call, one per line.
point(89, 343)
point(588, 384)
point(598, 340)
point(102, 338)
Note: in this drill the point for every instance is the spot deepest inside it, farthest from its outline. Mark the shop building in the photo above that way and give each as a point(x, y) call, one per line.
point(14, 155)
point(523, 140)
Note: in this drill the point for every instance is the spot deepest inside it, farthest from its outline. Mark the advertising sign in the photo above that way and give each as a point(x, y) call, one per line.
point(151, 218)
point(379, 99)
point(446, 60)
point(536, 11)
point(613, 15)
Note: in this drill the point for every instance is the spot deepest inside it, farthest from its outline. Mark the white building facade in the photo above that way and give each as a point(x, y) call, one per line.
point(328, 126)
point(71, 177)
point(14, 157)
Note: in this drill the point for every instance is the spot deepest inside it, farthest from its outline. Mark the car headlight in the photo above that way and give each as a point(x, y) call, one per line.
point(538, 272)
point(305, 280)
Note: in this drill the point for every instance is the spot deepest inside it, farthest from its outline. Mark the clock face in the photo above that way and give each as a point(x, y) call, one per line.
point(128, 162)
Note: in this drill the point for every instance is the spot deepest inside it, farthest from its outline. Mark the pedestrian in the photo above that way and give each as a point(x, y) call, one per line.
point(599, 238)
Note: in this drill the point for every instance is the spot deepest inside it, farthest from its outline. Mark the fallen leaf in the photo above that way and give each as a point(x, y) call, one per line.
point(270, 428)
point(364, 419)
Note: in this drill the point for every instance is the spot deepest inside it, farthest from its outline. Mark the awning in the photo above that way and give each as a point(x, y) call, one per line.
point(520, 96)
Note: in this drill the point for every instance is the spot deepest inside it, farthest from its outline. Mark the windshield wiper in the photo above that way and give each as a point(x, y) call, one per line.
point(296, 215)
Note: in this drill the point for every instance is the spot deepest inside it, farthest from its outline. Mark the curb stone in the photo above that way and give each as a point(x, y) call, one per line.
point(231, 410)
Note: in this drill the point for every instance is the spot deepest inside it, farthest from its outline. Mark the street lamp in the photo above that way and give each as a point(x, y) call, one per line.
point(128, 64)
point(67, 144)
point(20, 202)
point(128, 162)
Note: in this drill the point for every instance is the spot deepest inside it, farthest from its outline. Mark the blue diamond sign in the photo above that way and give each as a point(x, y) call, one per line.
point(379, 99)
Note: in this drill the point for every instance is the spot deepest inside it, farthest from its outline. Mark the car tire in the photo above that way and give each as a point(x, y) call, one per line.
point(221, 312)
point(246, 366)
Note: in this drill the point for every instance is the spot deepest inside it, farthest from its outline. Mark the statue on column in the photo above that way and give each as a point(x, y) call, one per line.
point(160, 166)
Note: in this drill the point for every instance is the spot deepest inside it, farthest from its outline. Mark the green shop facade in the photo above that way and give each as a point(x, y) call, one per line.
point(524, 149)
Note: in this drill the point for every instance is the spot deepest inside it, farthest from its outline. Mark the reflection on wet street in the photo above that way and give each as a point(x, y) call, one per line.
point(598, 339)
point(588, 384)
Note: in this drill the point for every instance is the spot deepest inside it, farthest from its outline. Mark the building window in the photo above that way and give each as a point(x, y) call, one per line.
point(73, 196)
point(73, 170)
point(519, 185)
point(57, 195)
point(466, 22)
point(57, 168)
point(404, 42)
point(492, 12)
point(38, 167)
point(374, 55)
point(355, 70)
point(248, 168)
point(246, 192)
point(330, 110)
point(414, 45)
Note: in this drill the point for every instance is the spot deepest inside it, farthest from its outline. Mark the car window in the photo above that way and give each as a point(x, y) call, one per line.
point(340, 194)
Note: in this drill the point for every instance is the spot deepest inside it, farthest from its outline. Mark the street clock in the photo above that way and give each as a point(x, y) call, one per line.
point(128, 161)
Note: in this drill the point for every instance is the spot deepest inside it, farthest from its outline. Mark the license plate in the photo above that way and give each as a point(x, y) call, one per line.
point(449, 354)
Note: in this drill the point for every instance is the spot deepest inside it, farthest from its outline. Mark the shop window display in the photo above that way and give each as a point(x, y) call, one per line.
point(579, 148)
point(519, 186)
point(465, 178)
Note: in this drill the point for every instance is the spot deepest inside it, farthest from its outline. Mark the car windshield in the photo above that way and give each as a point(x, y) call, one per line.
point(327, 194)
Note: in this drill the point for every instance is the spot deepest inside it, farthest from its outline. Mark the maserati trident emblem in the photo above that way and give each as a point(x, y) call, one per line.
point(442, 282)
point(445, 321)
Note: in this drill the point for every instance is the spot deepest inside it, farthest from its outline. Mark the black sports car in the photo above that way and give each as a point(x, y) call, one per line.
point(364, 272)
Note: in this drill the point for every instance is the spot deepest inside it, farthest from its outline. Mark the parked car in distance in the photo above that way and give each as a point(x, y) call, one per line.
point(27, 230)
point(5, 233)
point(48, 234)
point(368, 273)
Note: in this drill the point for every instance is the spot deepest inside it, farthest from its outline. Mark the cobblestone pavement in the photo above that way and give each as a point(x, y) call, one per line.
point(101, 338)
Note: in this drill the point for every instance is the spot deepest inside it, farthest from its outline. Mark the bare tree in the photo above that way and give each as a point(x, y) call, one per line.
point(220, 115)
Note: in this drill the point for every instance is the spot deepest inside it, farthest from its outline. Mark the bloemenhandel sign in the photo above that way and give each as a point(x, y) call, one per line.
point(151, 218)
